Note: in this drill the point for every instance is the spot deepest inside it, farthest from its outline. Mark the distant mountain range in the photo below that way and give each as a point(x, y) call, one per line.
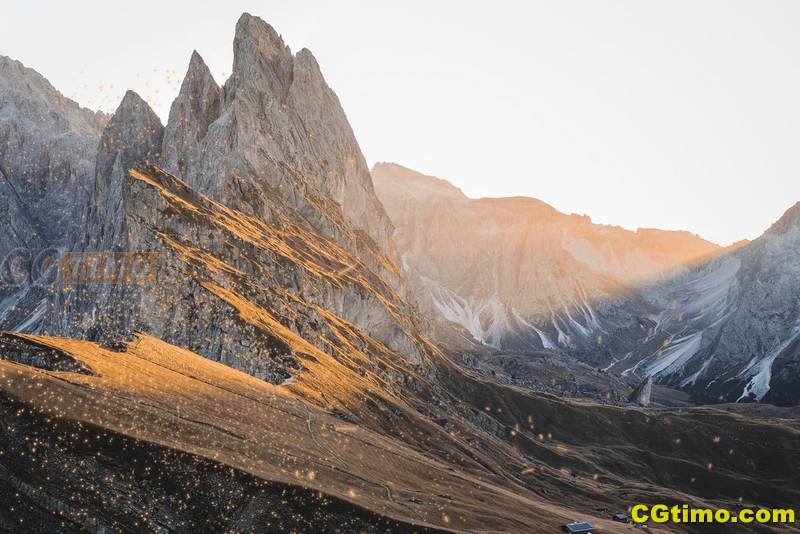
point(516, 274)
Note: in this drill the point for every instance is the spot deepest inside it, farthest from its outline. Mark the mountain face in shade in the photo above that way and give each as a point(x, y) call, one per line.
point(515, 272)
point(47, 155)
point(729, 329)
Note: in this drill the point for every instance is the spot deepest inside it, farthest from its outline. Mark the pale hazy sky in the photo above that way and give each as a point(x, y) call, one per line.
point(673, 114)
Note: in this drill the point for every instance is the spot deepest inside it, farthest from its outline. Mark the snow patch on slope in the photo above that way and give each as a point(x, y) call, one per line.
point(674, 357)
point(709, 291)
point(469, 314)
point(546, 341)
point(760, 371)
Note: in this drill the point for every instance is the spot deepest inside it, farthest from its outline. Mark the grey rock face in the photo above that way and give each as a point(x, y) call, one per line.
point(81, 308)
point(197, 106)
point(281, 136)
point(729, 329)
point(134, 134)
point(277, 208)
point(47, 154)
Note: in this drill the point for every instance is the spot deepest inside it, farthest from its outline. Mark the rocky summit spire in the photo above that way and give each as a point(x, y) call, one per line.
point(263, 37)
point(260, 57)
point(198, 105)
point(261, 61)
point(133, 135)
point(279, 128)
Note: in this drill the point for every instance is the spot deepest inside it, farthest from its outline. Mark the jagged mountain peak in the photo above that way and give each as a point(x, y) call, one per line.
point(197, 105)
point(132, 101)
point(133, 134)
point(275, 148)
point(133, 122)
point(515, 272)
point(16, 76)
point(196, 60)
point(251, 29)
point(197, 72)
point(308, 76)
point(307, 57)
point(278, 127)
point(264, 63)
point(7, 62)
point(198, 80)
point(261, 60)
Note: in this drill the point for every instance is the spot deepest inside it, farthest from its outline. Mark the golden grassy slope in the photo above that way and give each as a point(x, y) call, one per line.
point(169, 396)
